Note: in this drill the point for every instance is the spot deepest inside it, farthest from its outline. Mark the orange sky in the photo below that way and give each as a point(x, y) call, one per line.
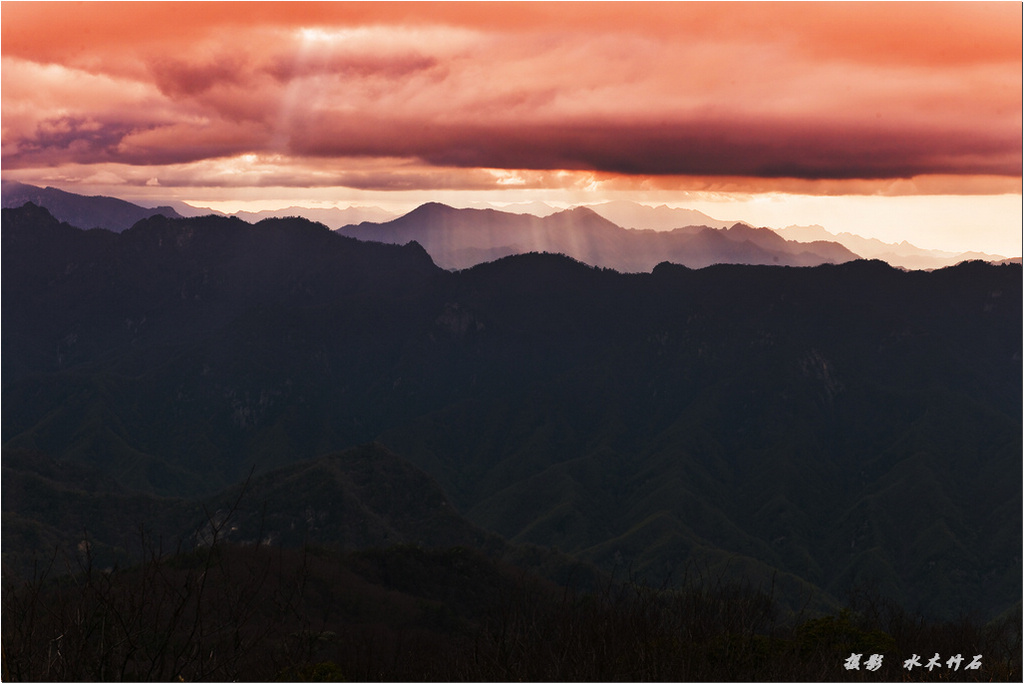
point(391, 103)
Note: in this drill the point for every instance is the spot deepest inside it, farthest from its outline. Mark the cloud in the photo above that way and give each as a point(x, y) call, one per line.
point(813, 92)
point(882, 33)
point(69, 138)
point(179, 78)
point(389, 67)
point(716, 147)
point(104, 178)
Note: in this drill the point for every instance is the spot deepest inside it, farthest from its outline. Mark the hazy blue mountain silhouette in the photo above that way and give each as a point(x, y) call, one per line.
point(460, 238)
point(642, 217)
point(81, 211)
point(904, 254)
point(333, 217)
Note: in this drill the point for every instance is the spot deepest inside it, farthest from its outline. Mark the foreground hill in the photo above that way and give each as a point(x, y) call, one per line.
point(816, 428)
point(460, 238)
point(359, 498)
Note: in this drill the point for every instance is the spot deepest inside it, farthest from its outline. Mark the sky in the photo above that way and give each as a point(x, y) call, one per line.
point(901, 121)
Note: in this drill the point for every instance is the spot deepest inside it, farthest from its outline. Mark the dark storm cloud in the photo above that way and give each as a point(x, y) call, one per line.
point(713, 147)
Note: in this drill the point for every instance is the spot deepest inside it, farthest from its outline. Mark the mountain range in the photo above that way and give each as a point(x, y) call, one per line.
point(812, 429)
point(460, 238)
point(116, 215)
point(903, 255)
point(662, 217)
point(333, 217)
point(84, 212)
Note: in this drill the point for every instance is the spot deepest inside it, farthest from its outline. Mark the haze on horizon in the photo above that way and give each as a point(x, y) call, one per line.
point(900, 121)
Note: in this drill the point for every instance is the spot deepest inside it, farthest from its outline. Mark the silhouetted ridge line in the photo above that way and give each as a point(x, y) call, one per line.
point(461, 238)
point(81, 211)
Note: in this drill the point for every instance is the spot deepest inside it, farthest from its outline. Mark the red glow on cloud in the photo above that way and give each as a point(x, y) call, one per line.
point(805, 93)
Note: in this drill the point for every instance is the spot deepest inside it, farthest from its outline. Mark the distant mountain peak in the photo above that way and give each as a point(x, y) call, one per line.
point(581, 212)
point(432, 208)
point(662, 217)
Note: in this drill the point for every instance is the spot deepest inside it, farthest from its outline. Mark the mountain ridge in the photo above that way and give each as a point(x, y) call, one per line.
point(332, 217)
point(641, 220)
point(81, 211)
point(632, 215)
point(816, 422)
point(459, 238)
point(903, 254)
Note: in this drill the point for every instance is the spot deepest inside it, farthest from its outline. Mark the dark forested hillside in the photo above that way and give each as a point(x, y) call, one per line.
point(819, 428)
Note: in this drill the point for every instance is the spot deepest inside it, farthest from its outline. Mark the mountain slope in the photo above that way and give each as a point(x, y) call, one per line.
point(81, 211)
point(830, 426)
point(362, 497)
point(174, 312)
point(767, 420)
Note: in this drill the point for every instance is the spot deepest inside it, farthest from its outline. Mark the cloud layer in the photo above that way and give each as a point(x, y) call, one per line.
point(394, 95)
